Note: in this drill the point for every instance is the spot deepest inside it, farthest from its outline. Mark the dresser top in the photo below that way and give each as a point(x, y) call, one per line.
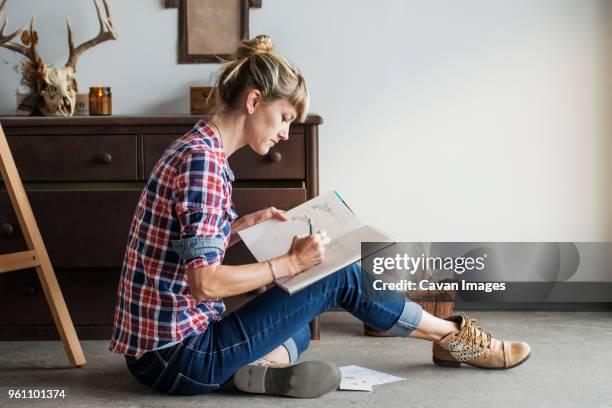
point(120, 120)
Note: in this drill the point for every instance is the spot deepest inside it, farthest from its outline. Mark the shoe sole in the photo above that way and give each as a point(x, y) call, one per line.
point(309, 379)
point(457, 364)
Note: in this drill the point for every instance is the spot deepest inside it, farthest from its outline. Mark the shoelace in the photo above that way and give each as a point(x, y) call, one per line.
point(473, 334)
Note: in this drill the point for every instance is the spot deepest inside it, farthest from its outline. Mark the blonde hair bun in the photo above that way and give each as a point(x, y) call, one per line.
point(262, 44)
point(259, 66)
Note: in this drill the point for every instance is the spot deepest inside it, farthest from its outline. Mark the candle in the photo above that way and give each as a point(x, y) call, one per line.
point(100, 101)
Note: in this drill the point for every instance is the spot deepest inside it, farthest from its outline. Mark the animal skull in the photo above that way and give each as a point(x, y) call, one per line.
point(56, 87)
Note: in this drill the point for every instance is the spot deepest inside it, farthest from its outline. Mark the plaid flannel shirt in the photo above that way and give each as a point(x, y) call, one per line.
point(182, 221)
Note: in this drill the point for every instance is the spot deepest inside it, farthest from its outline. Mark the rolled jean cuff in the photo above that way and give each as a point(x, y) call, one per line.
point(408, 320)
point(292, 350)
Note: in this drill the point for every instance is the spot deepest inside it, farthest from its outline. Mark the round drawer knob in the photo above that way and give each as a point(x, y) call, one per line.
point(275, 157)
point(27, 289)
point(7, 229)
point(107, 158)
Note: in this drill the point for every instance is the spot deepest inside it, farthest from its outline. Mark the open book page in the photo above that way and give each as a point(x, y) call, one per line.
point(272, 238)
point(340, 252)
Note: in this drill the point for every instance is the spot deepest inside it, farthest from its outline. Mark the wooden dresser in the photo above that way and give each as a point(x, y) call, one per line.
point(83, 177)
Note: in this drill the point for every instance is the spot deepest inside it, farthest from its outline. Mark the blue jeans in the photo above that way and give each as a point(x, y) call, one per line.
point(203, 362)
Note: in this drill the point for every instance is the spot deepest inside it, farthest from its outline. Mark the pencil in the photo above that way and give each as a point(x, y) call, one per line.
point(310, 227)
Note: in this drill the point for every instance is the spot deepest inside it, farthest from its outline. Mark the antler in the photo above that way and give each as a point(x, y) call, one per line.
point(107, 32)
point(5, 39)
point(29, 38)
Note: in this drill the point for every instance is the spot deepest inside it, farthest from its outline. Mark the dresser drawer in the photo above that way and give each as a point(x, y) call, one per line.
point(286, 161)
point(90, 228)
point(80, 228)
point(89, 295)
point(75, 158)
point(81, 289)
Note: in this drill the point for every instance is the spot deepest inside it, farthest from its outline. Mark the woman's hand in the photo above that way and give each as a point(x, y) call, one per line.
point(268, 213)
point(308, 251)
point(260, 216)
point(249, 220)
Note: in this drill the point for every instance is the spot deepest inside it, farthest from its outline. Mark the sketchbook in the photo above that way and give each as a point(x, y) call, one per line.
point(328, 212)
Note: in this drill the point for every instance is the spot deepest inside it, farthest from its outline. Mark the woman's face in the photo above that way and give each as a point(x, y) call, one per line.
point(268, 124)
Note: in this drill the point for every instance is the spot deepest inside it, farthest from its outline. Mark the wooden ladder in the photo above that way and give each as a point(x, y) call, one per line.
point(36, 256)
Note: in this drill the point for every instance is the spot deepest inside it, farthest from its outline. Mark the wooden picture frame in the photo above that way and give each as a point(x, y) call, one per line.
point(175, 3)
point(210, 30)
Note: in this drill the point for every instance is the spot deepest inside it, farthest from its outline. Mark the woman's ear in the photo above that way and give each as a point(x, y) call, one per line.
point(252, 100)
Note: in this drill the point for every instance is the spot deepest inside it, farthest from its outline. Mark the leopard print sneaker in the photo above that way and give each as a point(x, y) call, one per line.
point(474, 346)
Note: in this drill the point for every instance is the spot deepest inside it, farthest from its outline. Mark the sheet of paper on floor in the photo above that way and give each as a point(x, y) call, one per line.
point(359, 378)
point(351, 382)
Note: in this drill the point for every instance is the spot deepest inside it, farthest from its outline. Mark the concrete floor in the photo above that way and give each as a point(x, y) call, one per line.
point(570, 366)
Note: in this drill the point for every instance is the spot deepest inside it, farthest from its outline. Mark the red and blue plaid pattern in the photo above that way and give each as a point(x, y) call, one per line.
point(183, 220)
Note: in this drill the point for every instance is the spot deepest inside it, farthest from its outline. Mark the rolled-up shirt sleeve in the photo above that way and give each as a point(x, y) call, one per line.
point(198, 202)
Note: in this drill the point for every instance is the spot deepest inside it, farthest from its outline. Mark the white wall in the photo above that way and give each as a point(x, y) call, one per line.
point(444, 120)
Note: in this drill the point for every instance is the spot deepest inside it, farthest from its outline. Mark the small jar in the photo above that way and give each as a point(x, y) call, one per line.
point(100, 101)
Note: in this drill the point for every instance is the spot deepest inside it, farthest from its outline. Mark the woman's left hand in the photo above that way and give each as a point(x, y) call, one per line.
point(266, 214)
point(255, 218)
